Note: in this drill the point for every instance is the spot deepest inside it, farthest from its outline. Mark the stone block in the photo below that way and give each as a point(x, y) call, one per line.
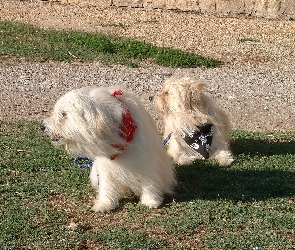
point(128, 3)
point(102, 3)
point(230, 6)
point(207, 6)
point(256, 8)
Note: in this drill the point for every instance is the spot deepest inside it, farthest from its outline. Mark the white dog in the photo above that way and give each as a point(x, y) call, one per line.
point(200, 129)
point(111, 126)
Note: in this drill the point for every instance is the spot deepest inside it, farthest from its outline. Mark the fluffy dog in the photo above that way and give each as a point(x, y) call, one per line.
point(200, 129)
point(111, 126)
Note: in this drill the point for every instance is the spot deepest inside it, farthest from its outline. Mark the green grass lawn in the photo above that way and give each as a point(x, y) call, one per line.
point(45, 200)
point(17, 39)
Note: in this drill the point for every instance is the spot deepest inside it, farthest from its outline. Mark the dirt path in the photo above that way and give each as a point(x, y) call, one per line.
point(256, 83)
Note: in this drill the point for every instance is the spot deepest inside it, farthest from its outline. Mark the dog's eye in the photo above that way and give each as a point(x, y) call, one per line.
point(166, 93)
point(63, 114)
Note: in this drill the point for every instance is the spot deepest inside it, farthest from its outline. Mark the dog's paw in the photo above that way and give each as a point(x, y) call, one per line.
point(150, 201)
point(102, 207)
point(226, 162)
point(151, 204)
point(186, 160)
point(224, 158)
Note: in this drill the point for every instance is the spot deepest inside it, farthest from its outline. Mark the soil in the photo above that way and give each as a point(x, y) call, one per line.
point(255, 84)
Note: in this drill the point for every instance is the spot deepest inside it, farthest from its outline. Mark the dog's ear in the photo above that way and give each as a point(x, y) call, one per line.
point(196, 94)
point(106, 126)
point(100, 124)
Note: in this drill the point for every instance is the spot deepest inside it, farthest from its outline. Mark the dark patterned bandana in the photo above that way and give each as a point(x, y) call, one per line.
point(200, 140)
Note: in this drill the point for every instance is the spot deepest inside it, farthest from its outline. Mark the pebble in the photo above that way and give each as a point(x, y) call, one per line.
point(254, 84)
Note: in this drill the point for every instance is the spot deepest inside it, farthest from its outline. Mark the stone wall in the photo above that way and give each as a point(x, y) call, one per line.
point(257, 8)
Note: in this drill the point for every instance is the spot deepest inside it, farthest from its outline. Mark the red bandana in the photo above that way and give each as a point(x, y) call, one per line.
point(127, 126)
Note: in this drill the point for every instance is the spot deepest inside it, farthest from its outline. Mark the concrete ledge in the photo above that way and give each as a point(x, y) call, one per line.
point(273, 9)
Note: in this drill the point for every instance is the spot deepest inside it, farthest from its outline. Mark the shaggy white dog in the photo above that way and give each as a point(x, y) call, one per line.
point(200, 129)
point(111, 126)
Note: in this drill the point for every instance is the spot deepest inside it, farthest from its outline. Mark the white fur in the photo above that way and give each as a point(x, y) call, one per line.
point(184, 106)
point(87, 122)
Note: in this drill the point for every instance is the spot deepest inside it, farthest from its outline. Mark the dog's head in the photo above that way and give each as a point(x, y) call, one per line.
point(180, 95)
point(84, 124)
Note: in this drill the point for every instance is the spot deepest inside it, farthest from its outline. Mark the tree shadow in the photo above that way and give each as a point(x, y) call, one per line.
point(262, 170)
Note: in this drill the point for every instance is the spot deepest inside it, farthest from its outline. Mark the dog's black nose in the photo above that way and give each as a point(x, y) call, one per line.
point(151, 98)
point(42, 127)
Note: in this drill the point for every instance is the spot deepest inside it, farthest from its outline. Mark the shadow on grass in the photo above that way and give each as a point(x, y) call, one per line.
point(263, 169)
point(260, 148)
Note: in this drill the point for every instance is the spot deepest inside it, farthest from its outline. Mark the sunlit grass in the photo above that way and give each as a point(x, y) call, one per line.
point(46, 200)
point(18, 39)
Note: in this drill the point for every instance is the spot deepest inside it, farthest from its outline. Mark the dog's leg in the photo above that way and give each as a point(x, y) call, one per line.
point(94, 178)
point(179, 155)
point(220, 149)
point(150, 197)
point(109, 193)
point(224, 157)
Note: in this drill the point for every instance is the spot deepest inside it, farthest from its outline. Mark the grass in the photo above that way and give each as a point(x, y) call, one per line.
point(45, 200)
point(244, 40)
point(17, 39)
